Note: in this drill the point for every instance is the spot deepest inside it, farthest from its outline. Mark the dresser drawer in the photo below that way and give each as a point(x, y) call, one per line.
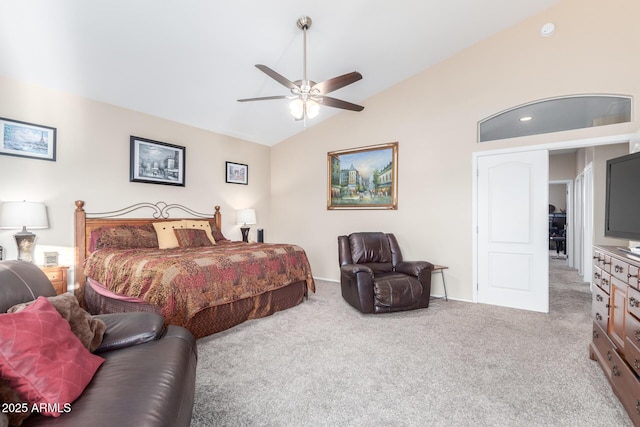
point(633, 276)
point(600, 307)
point(632, 347)
point(620, 269)
point(54, 276)
point(604, 348)
point(633, 301)
point(626, 387)
point(605, 281)
point(602, 260)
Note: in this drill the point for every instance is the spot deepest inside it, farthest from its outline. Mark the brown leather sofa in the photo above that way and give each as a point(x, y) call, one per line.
point(375, 279)
point(148, 377)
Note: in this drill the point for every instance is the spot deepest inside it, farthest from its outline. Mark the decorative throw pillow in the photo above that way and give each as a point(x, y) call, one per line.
point(127, 236)
point(166, 236)
point(192, 238)
point(88, 329)
point(41, 358)
point(216, 232)
point(200, 225)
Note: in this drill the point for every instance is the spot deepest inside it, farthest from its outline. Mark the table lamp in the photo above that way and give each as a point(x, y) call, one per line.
point(245, 217)
point(20, 215)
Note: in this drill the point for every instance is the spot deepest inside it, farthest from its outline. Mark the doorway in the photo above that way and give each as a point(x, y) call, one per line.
point(583, 191)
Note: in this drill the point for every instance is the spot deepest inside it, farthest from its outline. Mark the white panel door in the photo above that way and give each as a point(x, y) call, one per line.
point(513, 230)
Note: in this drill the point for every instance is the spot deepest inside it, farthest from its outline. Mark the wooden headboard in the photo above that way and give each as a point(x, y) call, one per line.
point(85, 223)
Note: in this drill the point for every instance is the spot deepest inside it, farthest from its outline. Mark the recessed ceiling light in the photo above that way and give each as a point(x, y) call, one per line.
point(547, 29)
point(525, 118)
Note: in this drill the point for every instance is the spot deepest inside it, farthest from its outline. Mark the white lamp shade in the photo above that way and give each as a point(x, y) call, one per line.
point(19, 215)
point(246, 216)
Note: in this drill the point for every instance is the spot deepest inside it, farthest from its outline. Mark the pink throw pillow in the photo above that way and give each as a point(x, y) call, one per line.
point(42, 359)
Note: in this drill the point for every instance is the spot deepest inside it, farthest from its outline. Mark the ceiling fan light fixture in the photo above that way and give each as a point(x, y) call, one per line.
point(302, 90)
point(296, 108)
point(312, 108)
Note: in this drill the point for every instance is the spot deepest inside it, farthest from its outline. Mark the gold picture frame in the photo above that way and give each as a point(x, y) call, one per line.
point(363, 177)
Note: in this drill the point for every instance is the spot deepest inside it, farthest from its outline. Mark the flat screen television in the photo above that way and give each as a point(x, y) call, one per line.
point(622, 209)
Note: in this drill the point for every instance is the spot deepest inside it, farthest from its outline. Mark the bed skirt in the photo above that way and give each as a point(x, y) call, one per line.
point(212, 319)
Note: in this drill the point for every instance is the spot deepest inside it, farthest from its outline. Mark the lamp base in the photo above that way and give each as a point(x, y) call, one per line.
point(245, 233)
point(26, 242)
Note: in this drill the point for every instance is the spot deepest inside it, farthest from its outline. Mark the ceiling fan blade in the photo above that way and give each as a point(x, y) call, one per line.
point(337, 82)
point(277, 77)
point(338, 103)
point(264, 98)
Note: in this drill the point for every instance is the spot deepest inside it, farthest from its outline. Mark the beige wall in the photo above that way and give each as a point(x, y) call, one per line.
point(434, 117)
point(93, 165)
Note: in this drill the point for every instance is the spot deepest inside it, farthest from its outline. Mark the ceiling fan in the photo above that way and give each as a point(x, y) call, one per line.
point(307, 95)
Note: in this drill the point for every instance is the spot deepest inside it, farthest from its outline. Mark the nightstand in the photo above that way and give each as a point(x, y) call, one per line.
point(57, 274)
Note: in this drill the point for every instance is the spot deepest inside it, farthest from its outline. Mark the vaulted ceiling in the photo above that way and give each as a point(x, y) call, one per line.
point(189, 61)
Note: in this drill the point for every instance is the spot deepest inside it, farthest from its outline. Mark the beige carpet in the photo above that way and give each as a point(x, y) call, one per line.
point(454, 364)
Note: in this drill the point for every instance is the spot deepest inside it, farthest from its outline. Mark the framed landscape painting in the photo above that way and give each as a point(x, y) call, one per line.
point(156, 162)
point(363, 178)
point(23, 139)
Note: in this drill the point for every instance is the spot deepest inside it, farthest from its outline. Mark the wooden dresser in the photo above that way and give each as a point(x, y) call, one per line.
point(58, 276)
point(615, 311)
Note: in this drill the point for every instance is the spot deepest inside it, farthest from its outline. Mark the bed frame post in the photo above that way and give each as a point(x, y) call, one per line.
point(218, 218)
point(81, 250)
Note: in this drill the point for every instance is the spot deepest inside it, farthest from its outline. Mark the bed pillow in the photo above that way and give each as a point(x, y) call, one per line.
point(43, 361)
point(216, 233)
point(88, 329)
point(200, 225)
point(166, 236)
point(192, 238)
point(125, 237)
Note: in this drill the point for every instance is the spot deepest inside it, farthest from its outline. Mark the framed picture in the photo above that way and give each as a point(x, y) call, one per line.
point(363, 178)
point(156, 162)
point(27, 140)
point(237, 173)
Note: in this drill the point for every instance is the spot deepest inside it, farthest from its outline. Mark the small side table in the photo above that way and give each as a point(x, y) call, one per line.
point(57, 274)
point(441, 269)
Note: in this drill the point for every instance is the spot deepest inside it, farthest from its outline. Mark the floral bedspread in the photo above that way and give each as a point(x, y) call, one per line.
point(183, 281)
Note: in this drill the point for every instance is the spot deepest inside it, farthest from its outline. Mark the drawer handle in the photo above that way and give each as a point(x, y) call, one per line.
point(636, 334)
point(633, 302)
point(598, 316)
point(596, 257)
point(605, 262)
point(605, 282)
point(636, 363)
point(618, 268)
point(638, 406)
point(615, 371)
point(629, 275)
point(599, 298)
point(608, 354)
point(596, 335)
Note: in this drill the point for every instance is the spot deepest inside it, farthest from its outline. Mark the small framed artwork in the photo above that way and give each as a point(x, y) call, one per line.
point(23, 139)
point(156, 162)
point(237, 173)
point(50, 258)
point(363, 178)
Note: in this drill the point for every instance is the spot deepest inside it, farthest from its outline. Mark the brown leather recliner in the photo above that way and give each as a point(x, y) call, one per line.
point(375, 279)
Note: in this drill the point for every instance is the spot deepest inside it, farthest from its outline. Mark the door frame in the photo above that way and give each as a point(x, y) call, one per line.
point(568, 183)
point(578, 143)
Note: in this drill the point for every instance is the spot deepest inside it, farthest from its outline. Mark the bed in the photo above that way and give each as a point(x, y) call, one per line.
point(204, 286)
